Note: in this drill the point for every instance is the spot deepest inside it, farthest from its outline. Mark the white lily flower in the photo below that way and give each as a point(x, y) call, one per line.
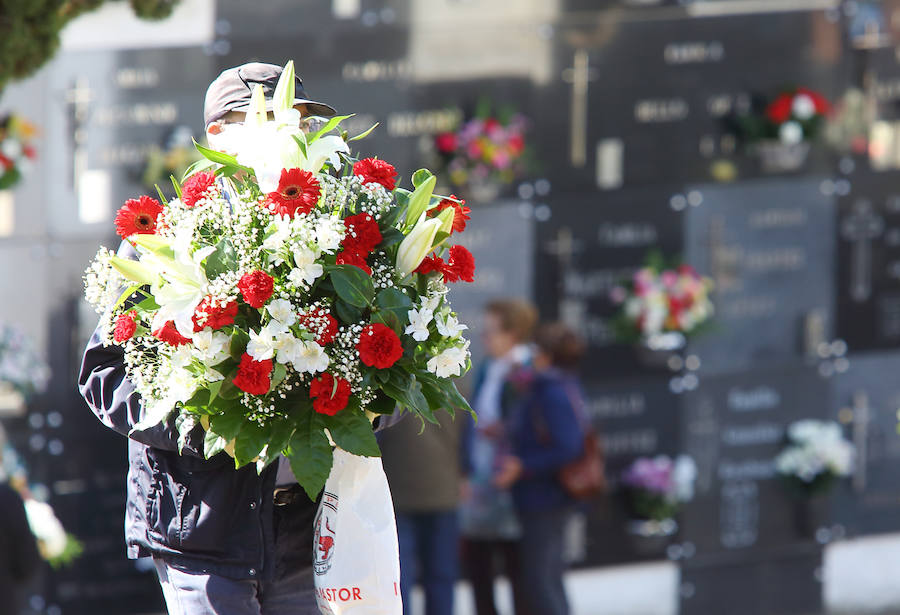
point(416, 246)
point(283, 311)
point(418, 324)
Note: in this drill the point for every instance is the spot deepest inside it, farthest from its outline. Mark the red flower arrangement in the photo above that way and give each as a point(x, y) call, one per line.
point(377, 171)
point(256, 288)
point(253, 377)
point(330, 395)
point(379, 346)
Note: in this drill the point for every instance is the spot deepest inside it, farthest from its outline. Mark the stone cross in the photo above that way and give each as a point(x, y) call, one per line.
point(860, 228)
point(579, 75)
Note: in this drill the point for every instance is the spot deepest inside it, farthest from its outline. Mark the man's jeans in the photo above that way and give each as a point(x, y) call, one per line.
point(291, 592)
point(429, 553)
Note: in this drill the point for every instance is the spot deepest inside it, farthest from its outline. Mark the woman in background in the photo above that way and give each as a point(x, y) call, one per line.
point(487, 514)
point(547, 433)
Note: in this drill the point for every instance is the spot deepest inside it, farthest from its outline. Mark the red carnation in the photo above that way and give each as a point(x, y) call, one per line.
point(378, 171)
point(430, 264)
point(779, 111)
point(351, 258)
point(460, 265)
point(214, 313)
point(329, 394)
point(138, 216)
point(5, 162)
point(298, 192)
point(320, 323)
point(194, 187)
point(125, 326)
point(379, 346)
point(460, 215)
point(253, 377)
point(170, 335)
point(362, 234)
point(256, 287)
point(446, 142)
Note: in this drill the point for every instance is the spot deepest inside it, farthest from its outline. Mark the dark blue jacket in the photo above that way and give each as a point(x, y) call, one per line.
point(546, 435)
point(201, 515)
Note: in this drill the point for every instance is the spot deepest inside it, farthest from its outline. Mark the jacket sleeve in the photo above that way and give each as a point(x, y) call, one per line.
point(565, 441)
point(114, 399)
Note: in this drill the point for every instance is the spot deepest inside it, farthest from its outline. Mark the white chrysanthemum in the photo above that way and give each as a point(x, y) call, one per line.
point(418, 324)
point(283, 311)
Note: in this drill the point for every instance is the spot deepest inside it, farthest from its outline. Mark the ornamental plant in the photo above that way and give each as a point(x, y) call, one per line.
point(489, 148)
point(287, 296)
point(16, 149)
point(656, 487)
point(816, 456)
point(793, 116)
point(661, 300)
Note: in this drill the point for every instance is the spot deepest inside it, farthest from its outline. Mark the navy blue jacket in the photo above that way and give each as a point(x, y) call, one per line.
point(201, 515)
point(546, 435)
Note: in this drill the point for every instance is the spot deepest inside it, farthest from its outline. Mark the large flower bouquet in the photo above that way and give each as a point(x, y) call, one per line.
point(662, 301)
point(816, 456)
point(485, 150)
point(287, 297)
point(656, 487)
point(16, 149)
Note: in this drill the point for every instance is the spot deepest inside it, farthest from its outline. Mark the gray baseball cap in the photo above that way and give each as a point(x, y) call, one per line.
point(231, 91)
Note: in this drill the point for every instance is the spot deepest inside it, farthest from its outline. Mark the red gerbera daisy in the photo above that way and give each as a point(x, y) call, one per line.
point(298, 192)
point(138, 217)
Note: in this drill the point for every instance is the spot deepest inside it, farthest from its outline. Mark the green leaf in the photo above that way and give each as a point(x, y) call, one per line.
point(310, 454)
point(229, 424)
point(405, 389)
point(393, 299)
point(347, 313)
point(239, 341)
point(196, 167)
point(125, 295)
point(420, 177)
point(214, 388)
point(224, 259)
point(220, 157)
point(382, 404)
point(278, 374)
point(301, 143)
point(352, 284)
point(363, 135)
point(184, 423)
point(133, 270)
point(250, 442)
point(435, 397)
point(419, 201)
point(175, 186)
point(387, 318)
point(213, 444)
point(449, 389)
point(328, 127)
point(352, 431)
point(390, 236)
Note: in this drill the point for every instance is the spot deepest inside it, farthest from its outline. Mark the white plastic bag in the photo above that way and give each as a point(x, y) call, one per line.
point(355, 553)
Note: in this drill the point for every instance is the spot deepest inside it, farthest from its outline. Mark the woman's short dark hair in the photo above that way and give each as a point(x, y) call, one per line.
point(562, 345)
point(516, 316)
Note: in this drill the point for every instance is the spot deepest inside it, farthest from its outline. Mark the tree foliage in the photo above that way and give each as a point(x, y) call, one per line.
point(30, 29)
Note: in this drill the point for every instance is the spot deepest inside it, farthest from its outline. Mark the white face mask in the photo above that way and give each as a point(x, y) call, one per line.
point(228, 139)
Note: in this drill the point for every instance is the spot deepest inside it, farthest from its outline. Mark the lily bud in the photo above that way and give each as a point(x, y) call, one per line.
point(283, 99)
point(256, 114)
point(446, 218)
point(416, 246)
